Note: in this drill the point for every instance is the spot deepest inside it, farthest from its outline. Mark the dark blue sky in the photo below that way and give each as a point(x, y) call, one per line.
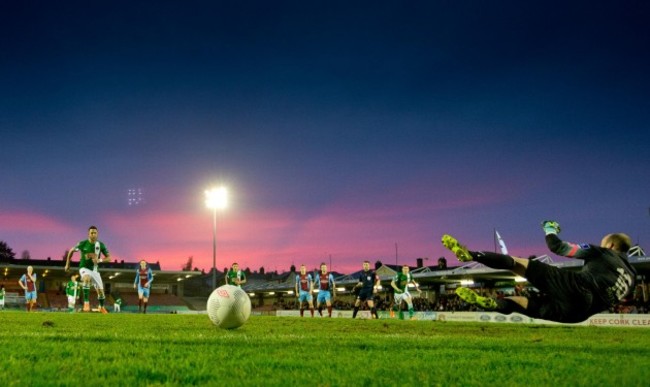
point(339, 129)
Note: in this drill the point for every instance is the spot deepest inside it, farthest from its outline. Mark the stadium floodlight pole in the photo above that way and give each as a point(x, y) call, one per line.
point(215, 199)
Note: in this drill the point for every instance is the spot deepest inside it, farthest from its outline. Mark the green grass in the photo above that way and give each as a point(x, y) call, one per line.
point(130, 349)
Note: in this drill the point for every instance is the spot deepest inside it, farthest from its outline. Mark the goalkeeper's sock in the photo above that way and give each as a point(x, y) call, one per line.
point(140, 306)
point(302, 312)
point(329, 310)
point(354, 311)
point(373, 312)
point(145, 307)
point(493, 260)
point(311, 310)
point(320, 311)
point(101, 301)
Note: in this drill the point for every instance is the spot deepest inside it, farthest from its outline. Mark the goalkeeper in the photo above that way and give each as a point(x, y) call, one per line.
point(568, 296)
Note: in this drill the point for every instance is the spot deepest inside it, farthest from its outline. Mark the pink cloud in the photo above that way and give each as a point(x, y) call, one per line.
point(31, 223)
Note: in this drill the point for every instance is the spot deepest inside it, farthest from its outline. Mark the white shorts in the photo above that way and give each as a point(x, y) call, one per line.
point(71, 300)
point(95, 278)
point(399, 297)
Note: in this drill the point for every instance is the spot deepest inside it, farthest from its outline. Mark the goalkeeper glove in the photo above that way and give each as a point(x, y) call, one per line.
point(551, 227)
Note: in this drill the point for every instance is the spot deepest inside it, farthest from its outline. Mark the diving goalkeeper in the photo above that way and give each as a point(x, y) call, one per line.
point(568, 296)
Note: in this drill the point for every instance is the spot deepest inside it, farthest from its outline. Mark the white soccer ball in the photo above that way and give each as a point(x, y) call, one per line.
point(229, 307)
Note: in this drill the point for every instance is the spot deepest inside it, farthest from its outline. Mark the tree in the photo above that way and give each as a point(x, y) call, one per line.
point(188, 264)
point(25, 255)
point(262, 270)
point(6, 253)
point(65, 255)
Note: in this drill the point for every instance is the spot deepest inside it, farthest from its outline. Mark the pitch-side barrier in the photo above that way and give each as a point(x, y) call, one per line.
point(607, 320)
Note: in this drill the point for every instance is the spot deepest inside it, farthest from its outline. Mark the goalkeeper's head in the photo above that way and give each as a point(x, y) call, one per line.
point(618, 241)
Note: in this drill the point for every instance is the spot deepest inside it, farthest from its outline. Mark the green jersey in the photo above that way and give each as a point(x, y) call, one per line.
point(2, 294)
point(234, 275)
point(72, 289)
point(402, 280)
point(89, 250)
point(118, 301)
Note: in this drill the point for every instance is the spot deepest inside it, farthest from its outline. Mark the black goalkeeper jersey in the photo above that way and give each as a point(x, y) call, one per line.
point(606, 272)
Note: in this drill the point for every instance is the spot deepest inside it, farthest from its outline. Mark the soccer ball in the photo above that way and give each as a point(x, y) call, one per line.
point(229, 307)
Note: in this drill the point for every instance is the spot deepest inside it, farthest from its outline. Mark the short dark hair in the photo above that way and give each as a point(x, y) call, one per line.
point(622, 242)
point(92, 228)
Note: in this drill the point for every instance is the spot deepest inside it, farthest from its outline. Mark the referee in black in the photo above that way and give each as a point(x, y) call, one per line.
point(603, 281)
point(368, 282)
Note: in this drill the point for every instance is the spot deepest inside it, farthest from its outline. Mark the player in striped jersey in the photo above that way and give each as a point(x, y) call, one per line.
point(304, 289)
point(326, 290)
point(28, 283)
point(143, 280)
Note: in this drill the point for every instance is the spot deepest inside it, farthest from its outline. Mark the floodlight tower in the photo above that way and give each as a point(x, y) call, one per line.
point(215, 199)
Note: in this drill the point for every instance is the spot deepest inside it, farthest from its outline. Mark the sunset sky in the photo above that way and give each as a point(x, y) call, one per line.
point(340, 130)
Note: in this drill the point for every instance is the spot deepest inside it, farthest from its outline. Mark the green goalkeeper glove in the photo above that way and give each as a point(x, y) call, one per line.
point(551, 227)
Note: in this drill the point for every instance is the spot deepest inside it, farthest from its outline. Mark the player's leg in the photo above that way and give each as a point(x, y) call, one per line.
point(99, 286)
point(85, 288)
point(328, 302)
point(373, 310)
point(472, 297)
point(145, 299)
point(356, 306)
point(310, 301)
point(493, 260)
point(409, 303)
point(319, 302)
point(140, 296)
point(506, 305)
point(301, 302)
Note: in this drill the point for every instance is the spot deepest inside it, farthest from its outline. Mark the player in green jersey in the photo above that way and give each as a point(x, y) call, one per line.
point(72, 291)
point(2, 297)
point(117, 305)
point(91, 251)
point(400, 284)
point(235, 276)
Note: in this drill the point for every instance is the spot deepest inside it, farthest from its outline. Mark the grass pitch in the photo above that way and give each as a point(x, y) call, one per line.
point(52, 349)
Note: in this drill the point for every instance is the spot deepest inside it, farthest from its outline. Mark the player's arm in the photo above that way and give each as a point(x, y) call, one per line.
point(137, 279)
point(67, 258)
point(333, 287)
point(560, 247)
point(243, 279)
point(311, 285)
point(394, 286)
point(149, 278)
point(20, 282)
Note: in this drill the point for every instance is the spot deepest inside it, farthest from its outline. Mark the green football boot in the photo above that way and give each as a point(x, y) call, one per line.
point(471, 297)
point(459, 250)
